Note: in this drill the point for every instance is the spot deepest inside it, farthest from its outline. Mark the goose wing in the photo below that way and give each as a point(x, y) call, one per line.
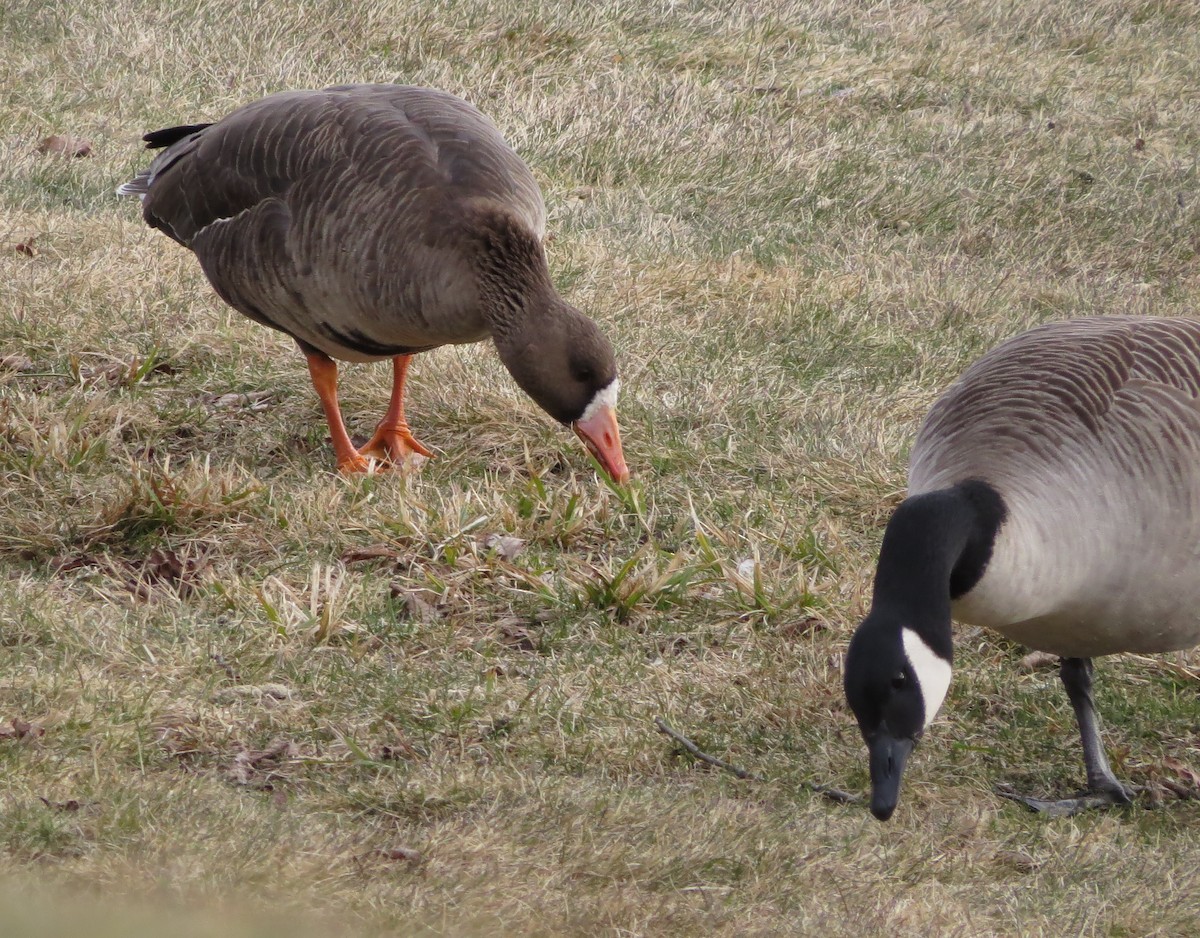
point(1124, 390)
point(335, 215)
point(397, 137)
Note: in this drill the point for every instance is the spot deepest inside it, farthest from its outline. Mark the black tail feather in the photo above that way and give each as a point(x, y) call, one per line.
point(169, 135)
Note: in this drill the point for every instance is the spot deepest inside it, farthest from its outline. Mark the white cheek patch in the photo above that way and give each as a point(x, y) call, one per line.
point(931, 669)
point(605, 397)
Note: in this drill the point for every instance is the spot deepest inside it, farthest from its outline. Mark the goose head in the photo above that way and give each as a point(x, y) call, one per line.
point(936, 548)
point(562, 360)
point(895, 683)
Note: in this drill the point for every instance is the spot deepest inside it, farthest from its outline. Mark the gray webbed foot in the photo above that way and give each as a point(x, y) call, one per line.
point(1069, 807)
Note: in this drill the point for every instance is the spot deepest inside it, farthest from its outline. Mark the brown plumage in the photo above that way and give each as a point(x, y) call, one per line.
point(378, 221)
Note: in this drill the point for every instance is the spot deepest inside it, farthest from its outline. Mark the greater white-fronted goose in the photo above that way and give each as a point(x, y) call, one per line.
point(378, 221)
point(1054, 496)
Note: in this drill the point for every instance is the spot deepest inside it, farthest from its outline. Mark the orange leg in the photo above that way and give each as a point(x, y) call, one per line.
point(393, 441)
point(324, 378)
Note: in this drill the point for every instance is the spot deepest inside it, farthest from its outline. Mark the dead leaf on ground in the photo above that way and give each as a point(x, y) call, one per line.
point(22, 729)
point(181, 734)
point(400, 750)
point(116, 373)
point(1179, 789)
point(71, 805)
point(167, 568)
point(413, 858)
point(243, 400)
point(257, 767)
point(225, 665)
point(415, 606)
point(1185, 773)
point(671, 647)
point(800, 627)
point(407, 854)
point(372, 552)
point(506, 546)
point(1036, 660)
point(124, 374)
point(1017, 860)
point(518, 635)
point(27, 247)
point(253, 691)
point(65, 145)
point(67, 563)
point(159, 366)
point(16, 362)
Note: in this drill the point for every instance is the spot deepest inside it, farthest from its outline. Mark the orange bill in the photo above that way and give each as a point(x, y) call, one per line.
point(603, 439)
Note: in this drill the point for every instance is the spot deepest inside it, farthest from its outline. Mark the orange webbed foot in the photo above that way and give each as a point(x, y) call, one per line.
point(356, 463)
point(392, 445)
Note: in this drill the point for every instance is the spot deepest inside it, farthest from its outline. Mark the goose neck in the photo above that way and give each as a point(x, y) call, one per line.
point(511, 272)
point(935, 549)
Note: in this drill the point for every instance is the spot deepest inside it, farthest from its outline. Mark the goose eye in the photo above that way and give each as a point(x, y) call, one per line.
point(899, 680)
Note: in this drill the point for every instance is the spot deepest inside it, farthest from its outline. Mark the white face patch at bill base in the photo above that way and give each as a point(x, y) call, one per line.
point(605, 397)
point(931, 669)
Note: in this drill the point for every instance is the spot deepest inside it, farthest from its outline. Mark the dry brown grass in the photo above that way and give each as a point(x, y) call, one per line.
point(261, 685)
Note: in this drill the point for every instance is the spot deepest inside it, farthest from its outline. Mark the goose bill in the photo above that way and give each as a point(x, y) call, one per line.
point(602, 437)
point(888, 756)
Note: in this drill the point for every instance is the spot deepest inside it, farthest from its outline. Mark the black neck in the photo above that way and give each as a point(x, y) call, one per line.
point(936, 548)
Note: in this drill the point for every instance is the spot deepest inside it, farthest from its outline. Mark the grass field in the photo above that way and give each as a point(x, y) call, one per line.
point(233, 681)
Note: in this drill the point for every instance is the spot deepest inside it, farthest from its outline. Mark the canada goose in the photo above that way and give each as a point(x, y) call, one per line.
point(1054, 496)
point(378, 221)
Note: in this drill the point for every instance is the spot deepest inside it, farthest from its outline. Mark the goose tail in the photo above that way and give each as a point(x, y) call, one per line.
point(139, 185)
point(157, 139)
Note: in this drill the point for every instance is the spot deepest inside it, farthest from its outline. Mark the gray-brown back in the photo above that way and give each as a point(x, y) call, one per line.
point(1090, 431)
point(346, 216)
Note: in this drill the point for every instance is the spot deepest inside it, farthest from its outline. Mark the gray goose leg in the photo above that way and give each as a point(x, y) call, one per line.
point(1103, 787)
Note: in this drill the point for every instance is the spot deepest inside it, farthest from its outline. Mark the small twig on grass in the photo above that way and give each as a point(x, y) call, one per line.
point(702, 755)
point(833, 794)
